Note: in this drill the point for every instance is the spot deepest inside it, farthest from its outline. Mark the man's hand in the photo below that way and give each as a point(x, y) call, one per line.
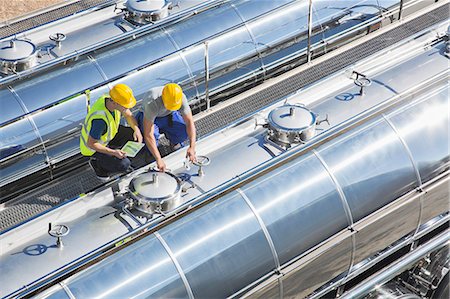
point(137, 136)
point(119, 154)
point(161, 165)
point(190, 154)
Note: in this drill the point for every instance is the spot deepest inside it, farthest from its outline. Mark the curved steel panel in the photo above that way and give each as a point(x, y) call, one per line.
point(119, 59)
point(55, 292)
point(251, 9)
point(141, 270)
point(303, 279)
point(216, 241)
point(425, 129)
point(57, 85)
point(9, 105)
point(371, 166)
point(77, 38)
point(425, 65)
point(435, 202)
point(204, 25)
point(271, 33)
point(15, 138)
point(60, 125)
point(327, 10)
point(272, 290)
point(379, 233)
point(223, 59)
point(171, 69)
point(301, 195)
point(334, 19)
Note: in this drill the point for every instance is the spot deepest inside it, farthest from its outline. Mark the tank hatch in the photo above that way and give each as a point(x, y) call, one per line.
point(141, 12)
point(291, 124)
point(17, 55)
point(155, 192)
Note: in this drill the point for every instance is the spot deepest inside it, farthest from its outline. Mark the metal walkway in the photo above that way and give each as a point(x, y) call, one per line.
point(83, 179)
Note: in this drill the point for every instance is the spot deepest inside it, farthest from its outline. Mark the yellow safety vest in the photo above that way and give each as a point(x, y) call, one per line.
point(99, 111)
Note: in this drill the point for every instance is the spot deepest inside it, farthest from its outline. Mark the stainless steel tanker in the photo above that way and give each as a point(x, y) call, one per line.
point(51, 74)
point(261, 216)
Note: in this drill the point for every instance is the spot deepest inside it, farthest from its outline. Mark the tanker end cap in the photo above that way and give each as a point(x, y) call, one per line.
point(123, 95)
point(172, 96)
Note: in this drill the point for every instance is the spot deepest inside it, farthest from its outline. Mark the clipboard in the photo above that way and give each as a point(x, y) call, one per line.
point(132, 148)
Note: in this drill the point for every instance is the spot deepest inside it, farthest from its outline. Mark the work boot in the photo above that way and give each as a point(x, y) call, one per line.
point(177, 146)
point(101, 174)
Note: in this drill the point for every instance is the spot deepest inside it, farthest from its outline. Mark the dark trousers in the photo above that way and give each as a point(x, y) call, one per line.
point(111, 164)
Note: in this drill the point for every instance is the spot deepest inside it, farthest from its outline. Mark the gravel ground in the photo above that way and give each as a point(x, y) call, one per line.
point(10, 9)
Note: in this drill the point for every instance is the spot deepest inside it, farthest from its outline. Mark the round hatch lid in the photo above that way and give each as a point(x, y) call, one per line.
point(155, 185)
point(17, 49)
point(145, 5)
point(291, 118)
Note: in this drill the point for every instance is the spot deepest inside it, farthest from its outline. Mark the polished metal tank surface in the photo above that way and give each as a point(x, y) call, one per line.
point(253, 41)
point(263, 221)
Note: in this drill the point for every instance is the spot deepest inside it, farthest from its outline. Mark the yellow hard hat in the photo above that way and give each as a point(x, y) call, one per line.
point(123, 95)
point(172, 96)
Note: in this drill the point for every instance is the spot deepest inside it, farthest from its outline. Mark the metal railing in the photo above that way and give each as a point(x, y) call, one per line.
point(207, 99)
point(308, 50)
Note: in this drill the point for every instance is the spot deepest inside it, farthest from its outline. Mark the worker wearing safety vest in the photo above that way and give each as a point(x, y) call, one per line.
point(102, 136)
point(167, 111)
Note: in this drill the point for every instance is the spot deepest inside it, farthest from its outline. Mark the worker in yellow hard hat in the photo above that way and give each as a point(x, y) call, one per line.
point(102, 137)
point(167, 111)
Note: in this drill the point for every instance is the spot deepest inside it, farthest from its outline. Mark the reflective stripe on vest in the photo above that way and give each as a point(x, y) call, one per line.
point(99, 111)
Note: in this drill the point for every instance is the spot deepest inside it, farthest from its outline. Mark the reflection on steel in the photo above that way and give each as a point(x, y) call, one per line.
point(398, 267)
point(266, 222)
point(47, 102)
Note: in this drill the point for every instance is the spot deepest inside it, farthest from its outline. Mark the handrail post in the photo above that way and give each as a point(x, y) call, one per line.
point(308, 53)
point(400, 10)
point(208, 102)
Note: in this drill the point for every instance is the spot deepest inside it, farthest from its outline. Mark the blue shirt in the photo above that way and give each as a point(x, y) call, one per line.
point(98, 128)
